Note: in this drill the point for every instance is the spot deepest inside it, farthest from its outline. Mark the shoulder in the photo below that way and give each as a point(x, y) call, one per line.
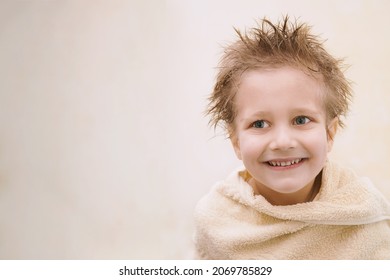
point(222, 197)
point(338, 177)
point(215, 197)
point(356, 196)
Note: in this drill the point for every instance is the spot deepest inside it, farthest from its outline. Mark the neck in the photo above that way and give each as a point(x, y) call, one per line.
point(306, 194)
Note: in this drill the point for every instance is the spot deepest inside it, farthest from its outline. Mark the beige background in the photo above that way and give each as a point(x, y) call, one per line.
point(104, 150)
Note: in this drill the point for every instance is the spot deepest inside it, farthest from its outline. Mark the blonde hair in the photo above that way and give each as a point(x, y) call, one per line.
point(272, 46)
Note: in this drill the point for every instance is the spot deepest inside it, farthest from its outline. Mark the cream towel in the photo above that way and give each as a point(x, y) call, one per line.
point(348, 219)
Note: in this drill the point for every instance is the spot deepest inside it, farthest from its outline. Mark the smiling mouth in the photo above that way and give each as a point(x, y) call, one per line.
point(284, 163)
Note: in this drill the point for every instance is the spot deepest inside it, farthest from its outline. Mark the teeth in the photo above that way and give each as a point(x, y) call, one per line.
point(284, 163)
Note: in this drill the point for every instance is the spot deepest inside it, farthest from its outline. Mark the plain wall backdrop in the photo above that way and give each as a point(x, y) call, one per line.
point(104, 148)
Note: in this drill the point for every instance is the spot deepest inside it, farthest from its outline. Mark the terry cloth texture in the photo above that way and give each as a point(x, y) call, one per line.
point(348, 219)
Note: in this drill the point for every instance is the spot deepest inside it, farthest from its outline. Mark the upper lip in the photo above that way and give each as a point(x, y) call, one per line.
point(284, 159)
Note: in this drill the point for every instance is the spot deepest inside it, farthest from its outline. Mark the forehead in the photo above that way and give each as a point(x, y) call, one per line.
point(284, 76)
point(279, 89)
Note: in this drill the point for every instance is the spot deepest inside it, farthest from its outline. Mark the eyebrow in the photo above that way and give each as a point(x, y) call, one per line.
point(304, 111)
point(257, 114)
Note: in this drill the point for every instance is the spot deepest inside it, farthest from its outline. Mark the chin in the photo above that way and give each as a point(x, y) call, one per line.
point(289, 188)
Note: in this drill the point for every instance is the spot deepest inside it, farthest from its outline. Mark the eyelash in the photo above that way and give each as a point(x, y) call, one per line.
point(265, 124)
point(304, 117)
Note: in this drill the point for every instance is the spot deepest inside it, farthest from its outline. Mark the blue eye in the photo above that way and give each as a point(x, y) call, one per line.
point(260, 124)
point(301, 120)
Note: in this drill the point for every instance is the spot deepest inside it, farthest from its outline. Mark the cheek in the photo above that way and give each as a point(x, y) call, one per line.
point(251, 146)
point(317, 142)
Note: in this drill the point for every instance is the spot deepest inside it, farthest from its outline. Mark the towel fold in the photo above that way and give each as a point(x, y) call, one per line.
point(348, 219)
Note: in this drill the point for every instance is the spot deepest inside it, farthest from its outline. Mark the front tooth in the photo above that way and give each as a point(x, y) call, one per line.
point(284, 163)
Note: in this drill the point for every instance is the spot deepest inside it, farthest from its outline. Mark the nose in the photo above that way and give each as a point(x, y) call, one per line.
point(283, 138)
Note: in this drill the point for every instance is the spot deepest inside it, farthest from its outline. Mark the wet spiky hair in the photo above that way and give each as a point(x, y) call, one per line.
point(272, 45)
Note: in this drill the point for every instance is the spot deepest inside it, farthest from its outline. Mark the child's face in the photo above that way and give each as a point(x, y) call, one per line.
point(280, 130)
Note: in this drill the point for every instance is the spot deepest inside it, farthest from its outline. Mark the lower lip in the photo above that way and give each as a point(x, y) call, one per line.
point(287, 167)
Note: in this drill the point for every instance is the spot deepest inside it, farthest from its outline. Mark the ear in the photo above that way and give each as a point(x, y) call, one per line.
point(331, 132)
point(236, 145)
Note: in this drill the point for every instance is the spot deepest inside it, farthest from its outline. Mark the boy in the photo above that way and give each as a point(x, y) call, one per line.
point(281, 97)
